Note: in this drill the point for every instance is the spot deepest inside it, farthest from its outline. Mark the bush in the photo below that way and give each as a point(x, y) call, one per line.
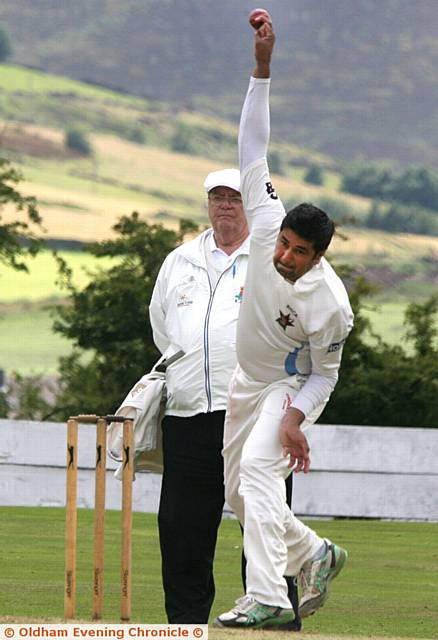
point(5, 45)
point(76, 140)
point(416, 185)
point(182, 139)
point(136, 134)
point(314, 175)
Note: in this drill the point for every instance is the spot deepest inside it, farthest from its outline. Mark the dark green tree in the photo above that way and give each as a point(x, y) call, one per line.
point(6, 49)
point(108, 321)
point(402, 218)
point(76, 140)
point(182, 139)
point(417, 185)
point(414, 186)
point(19, 238)
point(370, 180)
point(314, 175)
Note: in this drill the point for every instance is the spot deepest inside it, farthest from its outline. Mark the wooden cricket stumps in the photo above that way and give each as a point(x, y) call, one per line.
point(99, 518)
point(128, 473)
point(101, 423)
point(71, 520)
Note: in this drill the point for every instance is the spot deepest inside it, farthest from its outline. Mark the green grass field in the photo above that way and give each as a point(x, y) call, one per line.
point(387, 322)
point(28, 344)
point(40, 282)
point(389, 587)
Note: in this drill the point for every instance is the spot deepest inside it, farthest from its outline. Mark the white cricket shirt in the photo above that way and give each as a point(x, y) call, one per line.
point(287, 329)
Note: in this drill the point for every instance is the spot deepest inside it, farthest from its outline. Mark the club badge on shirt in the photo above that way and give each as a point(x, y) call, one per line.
point(284, 320)
point(183, 300)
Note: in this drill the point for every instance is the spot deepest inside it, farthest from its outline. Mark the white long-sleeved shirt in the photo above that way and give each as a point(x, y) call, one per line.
point(284, 329)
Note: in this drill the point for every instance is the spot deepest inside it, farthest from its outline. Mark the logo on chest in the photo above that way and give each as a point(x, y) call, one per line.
point(183, 300)
point(285, 320)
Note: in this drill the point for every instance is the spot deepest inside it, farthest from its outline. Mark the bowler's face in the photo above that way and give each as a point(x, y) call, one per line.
point(294, 256)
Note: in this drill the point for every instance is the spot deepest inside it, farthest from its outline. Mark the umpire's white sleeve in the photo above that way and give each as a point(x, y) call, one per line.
point(157, 313)
point(254, 123)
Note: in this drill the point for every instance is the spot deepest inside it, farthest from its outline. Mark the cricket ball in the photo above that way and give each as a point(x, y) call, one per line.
point(257, 17)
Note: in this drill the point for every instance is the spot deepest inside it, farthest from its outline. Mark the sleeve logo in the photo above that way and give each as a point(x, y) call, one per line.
point(335, 346)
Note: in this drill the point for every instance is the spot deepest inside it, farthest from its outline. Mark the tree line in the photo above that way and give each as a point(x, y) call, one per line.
point(404, 202)
point(414, 185)
point(379, 384)
point(108, 324)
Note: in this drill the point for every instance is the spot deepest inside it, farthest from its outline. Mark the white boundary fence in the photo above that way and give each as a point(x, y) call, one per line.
point(375, 472)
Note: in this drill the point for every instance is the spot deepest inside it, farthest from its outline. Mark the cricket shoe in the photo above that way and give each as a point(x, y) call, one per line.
point(250, 614)
point(315, 577)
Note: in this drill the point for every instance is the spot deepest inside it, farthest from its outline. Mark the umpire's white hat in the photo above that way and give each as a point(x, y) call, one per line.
point(224, 178)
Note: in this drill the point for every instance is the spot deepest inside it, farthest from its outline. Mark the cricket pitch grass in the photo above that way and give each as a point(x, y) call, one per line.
point(388, 589)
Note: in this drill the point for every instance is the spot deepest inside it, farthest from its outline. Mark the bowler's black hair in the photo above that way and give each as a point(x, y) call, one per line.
point(311, 224)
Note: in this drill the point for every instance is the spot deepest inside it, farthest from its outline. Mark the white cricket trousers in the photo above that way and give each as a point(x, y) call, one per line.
point(275, 542)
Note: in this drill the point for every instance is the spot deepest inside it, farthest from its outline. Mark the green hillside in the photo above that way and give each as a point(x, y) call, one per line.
point(152, 158)
point(146, 155)
point(351, 79)
point(34, 97)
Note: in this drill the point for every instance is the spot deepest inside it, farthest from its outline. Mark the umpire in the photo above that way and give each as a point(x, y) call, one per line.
point(194, 307)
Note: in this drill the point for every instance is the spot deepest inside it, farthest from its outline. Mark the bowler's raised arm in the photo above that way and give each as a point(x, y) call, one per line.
point(255, 122)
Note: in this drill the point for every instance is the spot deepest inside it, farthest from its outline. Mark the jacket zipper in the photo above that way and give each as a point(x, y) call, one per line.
point(206, 340)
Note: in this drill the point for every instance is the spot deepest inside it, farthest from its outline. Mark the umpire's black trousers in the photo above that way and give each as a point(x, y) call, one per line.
point(191, 503)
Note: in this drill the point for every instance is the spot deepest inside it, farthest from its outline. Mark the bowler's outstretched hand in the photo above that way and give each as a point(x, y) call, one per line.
point(294, 441)
point(264, 40)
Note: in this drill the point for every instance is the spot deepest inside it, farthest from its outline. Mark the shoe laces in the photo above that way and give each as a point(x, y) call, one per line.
point(243, 603)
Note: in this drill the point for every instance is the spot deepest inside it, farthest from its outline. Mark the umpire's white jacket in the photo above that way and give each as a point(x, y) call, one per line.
point(189, 311)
